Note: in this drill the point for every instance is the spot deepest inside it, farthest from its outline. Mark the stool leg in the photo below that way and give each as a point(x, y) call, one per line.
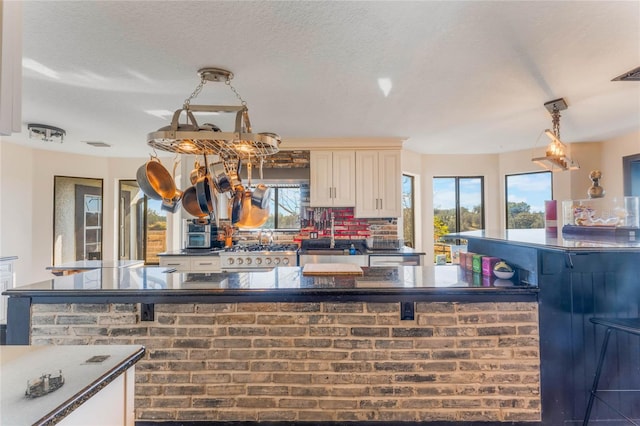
point(596, 379)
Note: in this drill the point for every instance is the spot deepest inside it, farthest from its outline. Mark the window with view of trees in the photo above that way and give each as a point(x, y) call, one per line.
point(457, 205)
point(408, 211)
point(284, 207)
point(525, 195)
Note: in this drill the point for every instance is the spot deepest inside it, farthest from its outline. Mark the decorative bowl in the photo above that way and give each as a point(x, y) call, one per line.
point(503, 271)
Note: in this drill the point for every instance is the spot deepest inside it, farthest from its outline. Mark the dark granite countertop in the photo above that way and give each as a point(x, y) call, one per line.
point(156, 284)
point(539, 238)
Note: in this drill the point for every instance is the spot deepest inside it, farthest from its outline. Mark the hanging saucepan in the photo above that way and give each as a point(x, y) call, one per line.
point(190, 203)
point(236, 205)
point(251, 216)
point(203, 191)
point(198, 171)
point(155, 181)
point(214, 202)
point(219, 177)
point(173, 204)
point(260, 196)
point(233, 174)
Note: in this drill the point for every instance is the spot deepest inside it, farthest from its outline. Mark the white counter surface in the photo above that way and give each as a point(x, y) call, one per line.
point(18, 364)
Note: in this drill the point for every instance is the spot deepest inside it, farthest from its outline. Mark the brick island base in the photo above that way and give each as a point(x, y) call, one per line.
point(351, 361)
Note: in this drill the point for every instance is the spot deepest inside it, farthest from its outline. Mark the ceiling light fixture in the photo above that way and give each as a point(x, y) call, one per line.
point(46, 133)
point(385, 85)
point(191, 138)
point(556, 157)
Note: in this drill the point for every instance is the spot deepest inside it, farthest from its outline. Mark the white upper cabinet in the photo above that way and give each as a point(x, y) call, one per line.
point(378, 183)
point(332, 180)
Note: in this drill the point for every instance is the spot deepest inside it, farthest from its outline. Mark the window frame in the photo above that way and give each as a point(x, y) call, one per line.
point(457, 198)
point(506, 194)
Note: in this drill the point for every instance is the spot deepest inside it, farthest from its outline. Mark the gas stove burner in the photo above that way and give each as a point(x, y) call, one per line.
point(262, 248)
point(256, 256)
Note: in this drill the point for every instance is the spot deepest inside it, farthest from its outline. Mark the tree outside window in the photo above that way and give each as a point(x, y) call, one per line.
point(458, 206)
point(525, 195)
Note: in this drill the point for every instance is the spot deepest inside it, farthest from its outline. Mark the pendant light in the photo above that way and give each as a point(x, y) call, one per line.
point(556, 157)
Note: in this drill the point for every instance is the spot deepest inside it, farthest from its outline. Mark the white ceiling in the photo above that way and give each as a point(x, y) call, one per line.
point(468, 76)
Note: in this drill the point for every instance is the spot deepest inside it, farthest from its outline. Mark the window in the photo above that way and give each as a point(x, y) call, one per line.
point(458, 206)
point(525, 195)
point(408, 210)
point(284, 207)
point(142, 225)
point(77, 222)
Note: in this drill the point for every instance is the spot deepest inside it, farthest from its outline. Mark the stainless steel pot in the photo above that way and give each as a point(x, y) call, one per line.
point(260, 196)
point(219, 177)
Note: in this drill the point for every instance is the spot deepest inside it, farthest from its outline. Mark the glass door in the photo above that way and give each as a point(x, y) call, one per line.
point(142, 225)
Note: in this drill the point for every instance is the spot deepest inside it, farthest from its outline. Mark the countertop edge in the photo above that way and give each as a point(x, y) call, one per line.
point(590, 245)
point(284, 296)
point(64, 409)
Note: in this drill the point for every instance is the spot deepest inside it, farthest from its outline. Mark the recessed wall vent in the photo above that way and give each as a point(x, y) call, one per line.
point(97, 144)
point(633, 75)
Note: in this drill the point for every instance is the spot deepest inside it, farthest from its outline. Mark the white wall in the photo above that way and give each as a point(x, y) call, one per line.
point(16, 211)
point(26, 212)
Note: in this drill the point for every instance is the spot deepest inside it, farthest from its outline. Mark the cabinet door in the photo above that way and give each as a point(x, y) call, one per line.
point(321, 179)
point(367, 184)
point(344, 193)
point(389, 184)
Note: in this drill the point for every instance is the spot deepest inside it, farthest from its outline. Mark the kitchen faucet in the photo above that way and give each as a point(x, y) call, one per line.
point(333, 231)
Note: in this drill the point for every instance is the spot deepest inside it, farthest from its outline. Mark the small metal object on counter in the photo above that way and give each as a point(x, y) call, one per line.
point(43, 385)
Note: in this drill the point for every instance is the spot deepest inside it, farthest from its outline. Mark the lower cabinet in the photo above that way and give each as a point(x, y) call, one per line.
point(192, 263)
point(113, 405)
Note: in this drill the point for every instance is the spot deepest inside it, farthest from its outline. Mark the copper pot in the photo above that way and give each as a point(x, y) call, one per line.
point(155, 181)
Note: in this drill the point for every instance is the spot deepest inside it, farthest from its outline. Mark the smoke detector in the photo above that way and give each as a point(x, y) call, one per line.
point(97, 144)
point(46, 133)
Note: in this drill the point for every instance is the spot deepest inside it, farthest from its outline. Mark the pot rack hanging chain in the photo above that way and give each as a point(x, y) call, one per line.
point(233, 89)
point(195, 93)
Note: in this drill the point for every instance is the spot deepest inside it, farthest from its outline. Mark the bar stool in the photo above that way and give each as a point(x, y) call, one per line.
point(621, 325)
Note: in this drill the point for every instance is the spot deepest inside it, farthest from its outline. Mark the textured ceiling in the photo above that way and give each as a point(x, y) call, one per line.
point(468, 77)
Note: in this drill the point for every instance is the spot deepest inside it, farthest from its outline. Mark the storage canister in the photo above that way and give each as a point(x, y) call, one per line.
point(488, 262)
point(476, 265)
point(469, 261)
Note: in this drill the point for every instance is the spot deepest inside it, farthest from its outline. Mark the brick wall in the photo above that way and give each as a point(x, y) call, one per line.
point(347, 226)
point(318, 361)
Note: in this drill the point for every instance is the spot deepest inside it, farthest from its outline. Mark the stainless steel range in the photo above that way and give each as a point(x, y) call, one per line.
point(258, 256)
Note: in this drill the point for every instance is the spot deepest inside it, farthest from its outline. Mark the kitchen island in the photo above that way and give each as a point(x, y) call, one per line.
point(578, 278)
point(405, 343)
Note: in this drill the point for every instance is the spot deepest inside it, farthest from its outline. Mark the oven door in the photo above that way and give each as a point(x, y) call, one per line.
point(198, 240)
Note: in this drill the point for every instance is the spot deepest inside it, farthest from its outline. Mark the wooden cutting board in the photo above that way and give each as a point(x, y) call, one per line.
point(326, 269)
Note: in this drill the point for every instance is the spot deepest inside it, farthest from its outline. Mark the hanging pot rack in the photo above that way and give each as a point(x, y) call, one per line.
point(207, 139)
